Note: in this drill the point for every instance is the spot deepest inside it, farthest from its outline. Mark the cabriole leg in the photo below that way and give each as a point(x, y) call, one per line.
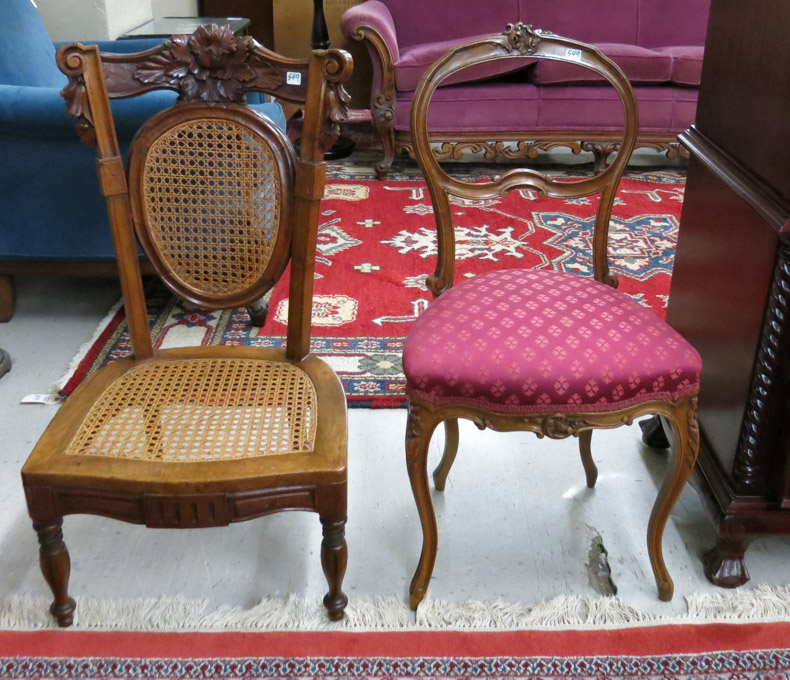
point(418, 436)
point(590, 469)
point(681, 464)
point(450, 451)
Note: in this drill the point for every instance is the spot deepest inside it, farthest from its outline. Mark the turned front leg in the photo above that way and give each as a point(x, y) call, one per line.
point(56, 567)
point(334, 557)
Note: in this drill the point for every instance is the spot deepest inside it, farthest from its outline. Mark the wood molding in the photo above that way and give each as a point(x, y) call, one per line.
point(769, 204)
point(513, 145)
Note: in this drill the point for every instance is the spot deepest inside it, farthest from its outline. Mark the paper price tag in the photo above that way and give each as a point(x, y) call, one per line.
point(293, 78)
point(572, 53)
point(40, 399)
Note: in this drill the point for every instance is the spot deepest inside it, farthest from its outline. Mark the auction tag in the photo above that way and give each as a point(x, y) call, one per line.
point(293, 78)
point(40, 399)
point(573, 53)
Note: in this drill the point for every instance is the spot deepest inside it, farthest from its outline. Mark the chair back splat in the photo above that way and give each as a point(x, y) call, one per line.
point(212, 187)
point(543, 351)
point(520, 42)
point(188, 437)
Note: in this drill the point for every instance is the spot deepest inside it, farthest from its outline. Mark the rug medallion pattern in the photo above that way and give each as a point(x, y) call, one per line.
point(377, 243)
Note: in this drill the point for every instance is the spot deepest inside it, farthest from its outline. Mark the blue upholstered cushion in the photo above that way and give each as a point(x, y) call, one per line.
point(28, 55)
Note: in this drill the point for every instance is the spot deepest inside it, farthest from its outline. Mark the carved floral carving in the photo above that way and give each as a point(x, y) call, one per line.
point(211, 65)
point(337, 101)
point(522, 38)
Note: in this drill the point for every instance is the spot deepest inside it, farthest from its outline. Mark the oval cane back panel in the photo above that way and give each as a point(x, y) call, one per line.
point(198, 410)
point(210, 192)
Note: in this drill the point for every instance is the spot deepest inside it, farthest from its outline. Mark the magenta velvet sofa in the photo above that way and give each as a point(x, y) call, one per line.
point(657, 43)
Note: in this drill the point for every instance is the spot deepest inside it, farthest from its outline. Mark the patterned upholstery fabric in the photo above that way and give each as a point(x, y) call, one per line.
point(537, 341)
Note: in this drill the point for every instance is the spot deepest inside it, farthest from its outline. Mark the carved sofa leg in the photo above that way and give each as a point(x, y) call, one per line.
point(383, 113)
point(7, 297)
point(258, 312)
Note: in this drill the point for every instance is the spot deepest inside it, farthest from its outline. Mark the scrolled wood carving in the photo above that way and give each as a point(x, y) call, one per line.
point(522, 38)
point(384, 108)
point(555, 426)
point(75, 94)
point(211, 65)
point(338, 70)
point(756, 434)
point(511, 150)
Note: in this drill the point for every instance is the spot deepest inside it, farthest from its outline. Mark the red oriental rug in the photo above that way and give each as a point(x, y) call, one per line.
point(377, 243)
point(712, 651)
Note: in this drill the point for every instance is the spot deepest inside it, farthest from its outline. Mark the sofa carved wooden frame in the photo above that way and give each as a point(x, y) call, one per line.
point(424, 416)
point(508, 145)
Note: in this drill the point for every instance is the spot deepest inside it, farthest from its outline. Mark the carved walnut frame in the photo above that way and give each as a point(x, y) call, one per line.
point(203, 494)
point(424, 416)
point(510, 145)
point(190, 65)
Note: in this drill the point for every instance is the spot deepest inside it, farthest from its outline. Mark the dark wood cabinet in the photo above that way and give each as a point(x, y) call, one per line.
point(730, 292)
point(259, 12)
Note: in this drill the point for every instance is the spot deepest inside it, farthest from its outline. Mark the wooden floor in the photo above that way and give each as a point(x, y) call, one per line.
point(541, 533)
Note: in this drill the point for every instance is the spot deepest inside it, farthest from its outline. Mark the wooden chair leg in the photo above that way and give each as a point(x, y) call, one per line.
point(7, 297)
point(258, 312)
point(56, 567)
point(590, 469)
point(334, 557)
point(681, 465)
point(418, 436)
point(450, 451)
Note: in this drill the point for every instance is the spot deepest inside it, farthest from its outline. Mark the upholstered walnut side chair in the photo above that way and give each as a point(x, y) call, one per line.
point(214, 192)
point(548, 352)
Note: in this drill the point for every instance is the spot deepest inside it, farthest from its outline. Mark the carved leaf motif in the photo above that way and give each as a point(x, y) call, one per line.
point(337, 100)
point(78, 105)
point(267, 77)
point(560, 427)
point(211, 65)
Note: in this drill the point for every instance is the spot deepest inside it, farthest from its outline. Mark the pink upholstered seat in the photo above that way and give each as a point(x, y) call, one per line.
point(535, 341)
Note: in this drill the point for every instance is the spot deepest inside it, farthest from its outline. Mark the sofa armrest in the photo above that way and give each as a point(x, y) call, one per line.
point(374, 16)
point(41, 112)
point(118, 46)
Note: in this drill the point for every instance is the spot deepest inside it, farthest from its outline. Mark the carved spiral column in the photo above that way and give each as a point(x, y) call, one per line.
point(758, 430)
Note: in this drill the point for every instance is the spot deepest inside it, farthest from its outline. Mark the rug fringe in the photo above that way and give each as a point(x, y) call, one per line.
point(764, 603)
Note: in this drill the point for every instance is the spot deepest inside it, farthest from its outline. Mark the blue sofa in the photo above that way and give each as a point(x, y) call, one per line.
point(53, 218)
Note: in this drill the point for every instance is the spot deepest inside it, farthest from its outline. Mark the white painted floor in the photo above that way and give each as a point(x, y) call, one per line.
point(515, 523)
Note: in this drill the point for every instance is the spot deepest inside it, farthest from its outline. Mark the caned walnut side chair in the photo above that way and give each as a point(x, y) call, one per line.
point(543, 351)
point(203, 436)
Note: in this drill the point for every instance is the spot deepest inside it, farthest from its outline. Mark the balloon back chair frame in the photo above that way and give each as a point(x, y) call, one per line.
point(424, 415)
point(203, 436)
